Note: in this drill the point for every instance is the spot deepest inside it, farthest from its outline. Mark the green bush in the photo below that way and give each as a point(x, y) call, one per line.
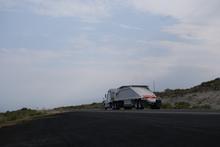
point(2, 119)
point(166, 106)
point(18, 115)
point(205, 106)
point(182, 105)
point(83, 106)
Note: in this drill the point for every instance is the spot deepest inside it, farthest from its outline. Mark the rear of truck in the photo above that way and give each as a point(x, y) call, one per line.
point(147, 97)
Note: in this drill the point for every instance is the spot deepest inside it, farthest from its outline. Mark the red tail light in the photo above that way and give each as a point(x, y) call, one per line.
point(149, 96)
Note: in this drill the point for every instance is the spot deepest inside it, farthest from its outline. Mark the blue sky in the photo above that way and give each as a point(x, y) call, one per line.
point(55, 53)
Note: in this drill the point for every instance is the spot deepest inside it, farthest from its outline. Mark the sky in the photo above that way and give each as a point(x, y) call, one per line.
point(68, 52)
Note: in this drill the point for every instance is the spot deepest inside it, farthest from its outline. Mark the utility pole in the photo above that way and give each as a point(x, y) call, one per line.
point(154, 85)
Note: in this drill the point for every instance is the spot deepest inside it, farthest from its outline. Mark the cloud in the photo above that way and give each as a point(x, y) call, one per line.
point(88, 10)
point(76, 8)
point(197, 27)
point(187, 11)
point(197, 19)
point(8, 5)
point(124, 26)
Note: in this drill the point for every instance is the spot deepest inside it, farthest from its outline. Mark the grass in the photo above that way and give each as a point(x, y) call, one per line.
point(182, 105)
point(185, 105)
point(167, 106)
point(11, 117)
point(14, 117)
point(80, 107)
point(213, 85)
point(205, 106)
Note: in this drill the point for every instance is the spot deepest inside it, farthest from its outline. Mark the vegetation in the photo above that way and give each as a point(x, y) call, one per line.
point(205, 106)
point(84, 106)
point(167, 106)
point(177, 105)
point(213, 85)
point(182, 105)
point(22, 114)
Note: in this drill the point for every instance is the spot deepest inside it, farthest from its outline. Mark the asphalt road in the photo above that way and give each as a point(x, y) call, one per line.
point(112, 129)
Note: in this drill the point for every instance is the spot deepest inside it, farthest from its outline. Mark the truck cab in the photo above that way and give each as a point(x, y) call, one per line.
point(109, 98)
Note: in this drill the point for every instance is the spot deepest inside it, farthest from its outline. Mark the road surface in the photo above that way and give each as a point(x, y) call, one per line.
point(116, 129)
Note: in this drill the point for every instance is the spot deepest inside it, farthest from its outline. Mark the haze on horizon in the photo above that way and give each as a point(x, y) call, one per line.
point(55, 53)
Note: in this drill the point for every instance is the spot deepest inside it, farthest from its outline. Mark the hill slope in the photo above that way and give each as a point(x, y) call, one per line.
point(205, 94)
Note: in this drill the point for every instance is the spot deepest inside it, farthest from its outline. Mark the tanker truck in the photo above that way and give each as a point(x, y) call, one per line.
point(131, 96)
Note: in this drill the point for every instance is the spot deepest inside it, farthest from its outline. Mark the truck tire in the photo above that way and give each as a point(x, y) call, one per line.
point(115, 106)
point(141, 104)
point(138, 104)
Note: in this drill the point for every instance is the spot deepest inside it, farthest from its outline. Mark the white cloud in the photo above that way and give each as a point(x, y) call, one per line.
point(197, 19)
point(124, 26)
point(77, 8)
point(88, 10)
point(185, 11)
point(197, 23)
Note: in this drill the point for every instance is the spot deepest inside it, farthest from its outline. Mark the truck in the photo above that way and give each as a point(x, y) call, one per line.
point(131, 96)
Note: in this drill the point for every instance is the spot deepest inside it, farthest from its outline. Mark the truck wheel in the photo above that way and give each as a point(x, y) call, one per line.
point(141, 105)
point(138, 104)
point(115, 106)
